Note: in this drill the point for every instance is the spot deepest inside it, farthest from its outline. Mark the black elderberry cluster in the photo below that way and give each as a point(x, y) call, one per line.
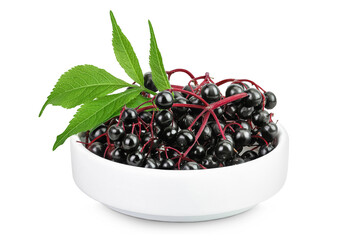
point(189, 128)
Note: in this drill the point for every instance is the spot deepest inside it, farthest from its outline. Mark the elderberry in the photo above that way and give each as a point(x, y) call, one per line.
point(164, 100)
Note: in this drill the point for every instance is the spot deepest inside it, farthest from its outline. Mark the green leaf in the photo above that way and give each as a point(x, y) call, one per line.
point(159, 76)
point(94, 113)
point(137, 101)
point(125, 54)
point(82, 84)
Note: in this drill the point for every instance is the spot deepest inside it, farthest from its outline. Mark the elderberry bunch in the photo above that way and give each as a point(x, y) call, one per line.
point(190, 127)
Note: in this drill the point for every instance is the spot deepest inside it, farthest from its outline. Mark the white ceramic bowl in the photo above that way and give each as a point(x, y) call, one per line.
point(180, 196)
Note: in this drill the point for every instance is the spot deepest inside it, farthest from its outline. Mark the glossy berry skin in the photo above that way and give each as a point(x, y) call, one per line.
point(189, 89)
point(135, 159)
point(228, 137)
point(230, 112)
point(242, 137)
point(148, 82)
point(265, 149)
point(270, 100)
point(118, 155)
point(260, 118)
point(210, 161)
point(130, 142)
point(185, 121)
point(169, 135)
point(210, 93)
point(195, 101)
point(98, 148)
point(116, 133)
point(215, 128)
point(234, 89)
point(249, 155)
point(245, 112)
point(100, 130)
point(224, 150)
point(197, 153)
point(235, 161)
point(167, 164)
point(206, 134)
point(191, 166)
point(253, 99)
point(178, 95)
point(145, 116)
point(180, 110)
point(164, 118)
point(164, 100)
point(150, 163)
point(269, 131)
point(185, 138)
point(130, 115)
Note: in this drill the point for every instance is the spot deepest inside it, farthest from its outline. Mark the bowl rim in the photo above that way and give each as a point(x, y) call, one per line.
point(282, 140)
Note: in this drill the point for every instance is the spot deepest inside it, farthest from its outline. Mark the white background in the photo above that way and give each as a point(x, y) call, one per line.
point(307, 52)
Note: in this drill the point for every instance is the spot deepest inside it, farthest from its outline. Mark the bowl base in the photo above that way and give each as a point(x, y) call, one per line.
point(181, 218)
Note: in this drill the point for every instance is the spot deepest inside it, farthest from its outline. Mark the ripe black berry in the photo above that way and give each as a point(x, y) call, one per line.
point(167, 164)
point(116, 133)
point(270, 100)
point(249, 155)
point(148, 82)
point(130, 142)
point(254, 97)
point(185, 121)
point(234, 89)
point(185, 138)
point(164, 118)
point(206, 134)
point(146, 116)
point(195, 101)
point(260, 118)
point(242, 137)
point(135, 159)
point(98, 148)
point(265, 149)
point(164, 100)
point(130, 115)
point(150, 163)
point(269, 131)
point(210, 161)
point(235, 161)
point(224, 150)
point(210, 93)
point(197, 153)
point(245, 112)
point(169, 134)
point(100, 130)
point(230, 112)
point(118, 155)
point(190, 166)
point(180, 110)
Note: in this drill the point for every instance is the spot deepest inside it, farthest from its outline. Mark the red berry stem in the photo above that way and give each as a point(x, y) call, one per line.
point(227, 100)
point(233, 123)
point(218, 123)
point(197, 118)
point(190, 93)
point(257, 136)
point(180, 70)
point(121, 113)
point(206, 117)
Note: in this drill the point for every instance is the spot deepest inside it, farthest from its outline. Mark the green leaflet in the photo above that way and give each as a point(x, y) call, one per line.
point(125, 54)
point(82, 84)
point(94, 113)
point(159, 76)
point(137, 101)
